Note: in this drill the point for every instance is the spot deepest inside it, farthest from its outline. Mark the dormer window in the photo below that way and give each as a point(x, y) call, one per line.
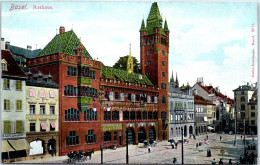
point(39, 79)
point(4, 65)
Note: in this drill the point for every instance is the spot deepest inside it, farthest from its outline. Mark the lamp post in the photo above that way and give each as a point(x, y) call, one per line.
point(244, 137)
point(235, 141)
point(100, 95)
point(182, 151)
point(127, 157)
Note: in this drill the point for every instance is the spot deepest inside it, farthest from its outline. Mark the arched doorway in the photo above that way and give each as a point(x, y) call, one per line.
point(141, 135)
point(152, 134)
point(131, 136)
point(51, 146)
point(201, 127)
point(185, 131)
point(190, 130)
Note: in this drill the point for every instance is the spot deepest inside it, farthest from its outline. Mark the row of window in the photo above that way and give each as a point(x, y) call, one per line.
point(43, 127)
point(179, 117)
point(41, 93)
point(42, 110)
point(140, 115)
point(74, 115)
point(70, 90)
point(8, 127)
point(89, 115)
point(149, 74)
point(90, 138)
point(18, 105)
point(130, 97)
point(148, 63)
point(7, 84)
point(71, 71)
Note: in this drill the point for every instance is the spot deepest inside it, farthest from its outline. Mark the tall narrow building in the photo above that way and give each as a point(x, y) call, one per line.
point(154, 47)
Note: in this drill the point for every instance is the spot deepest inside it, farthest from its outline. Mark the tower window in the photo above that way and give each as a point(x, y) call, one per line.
point(148, 63)
point(148, 52)
point(163, 100)
point(163, 74)
point(148, 74)
point(163, 86)
point(163, 63)
point(163, 52)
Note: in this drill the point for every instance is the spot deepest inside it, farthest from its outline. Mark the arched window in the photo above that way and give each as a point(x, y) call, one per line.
point(90, 114)
point(149, 74)
point(107, 115)
point(155, 115)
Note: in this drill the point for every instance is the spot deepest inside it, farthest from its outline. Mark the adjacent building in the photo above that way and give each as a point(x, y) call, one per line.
point(253, 113)
point(42, 113)
point(242, 96)
point(13, 109)
point(181, 111)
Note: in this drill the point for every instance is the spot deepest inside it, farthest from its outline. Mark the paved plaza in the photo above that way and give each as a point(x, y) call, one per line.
point(163, 153)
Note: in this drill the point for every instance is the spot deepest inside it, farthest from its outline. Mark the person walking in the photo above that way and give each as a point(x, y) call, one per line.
point(220, 137)
point(174, 160)
point(207, 137)
point(220, 161)
point(213, 161)
point(229, 162)
point(149, 149)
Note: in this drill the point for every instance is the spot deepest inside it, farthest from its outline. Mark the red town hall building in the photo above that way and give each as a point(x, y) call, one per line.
point(92, 94)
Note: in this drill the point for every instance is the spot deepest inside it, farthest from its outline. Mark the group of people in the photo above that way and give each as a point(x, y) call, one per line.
point(221, 161)
point(249, 158)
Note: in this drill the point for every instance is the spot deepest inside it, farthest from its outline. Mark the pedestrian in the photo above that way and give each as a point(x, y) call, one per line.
point(241, 137)
point(197, 145)
point(230, 162)
point(253, 139)
point(176, 145)
point(213, 161)
point(149, 149)
point(220, 161)
point(174, 160)
point(172, 146)
point(220, 137)
point(207, 137)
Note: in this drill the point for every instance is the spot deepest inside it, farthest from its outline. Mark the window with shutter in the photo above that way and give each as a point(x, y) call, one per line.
point(6, 104)
point(18, 104)
point(19, 126)
point(7, 127)
point(18, 85)
point(6, 84)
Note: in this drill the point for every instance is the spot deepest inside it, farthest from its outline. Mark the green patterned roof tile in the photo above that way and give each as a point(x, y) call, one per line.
point(113, 73)
point(65, 43)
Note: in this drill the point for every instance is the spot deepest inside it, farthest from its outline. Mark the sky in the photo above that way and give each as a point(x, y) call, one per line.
point(209, 40)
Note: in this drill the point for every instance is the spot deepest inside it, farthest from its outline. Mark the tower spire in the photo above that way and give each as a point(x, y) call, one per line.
point(130, 62)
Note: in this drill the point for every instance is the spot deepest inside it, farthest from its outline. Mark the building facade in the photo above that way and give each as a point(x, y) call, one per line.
point(242, 95)
point(253, 112)
point(77, 75)
point(42, 114)
point(13, 109)
point(154, 55)
point(181, 106)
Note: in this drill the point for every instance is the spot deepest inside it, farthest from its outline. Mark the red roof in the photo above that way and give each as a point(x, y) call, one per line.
point(13, 70)
point(203, 87)
point(200, 100)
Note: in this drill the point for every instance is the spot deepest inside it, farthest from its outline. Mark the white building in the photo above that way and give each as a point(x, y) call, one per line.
point(181, 112)
point(13, 109)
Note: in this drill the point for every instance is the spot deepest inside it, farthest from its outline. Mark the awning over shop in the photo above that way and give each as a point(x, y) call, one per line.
point(20, 144)
point(205, 118)
point(53, 125)
point(6, 146)
point(210, 128)
point(43, 126)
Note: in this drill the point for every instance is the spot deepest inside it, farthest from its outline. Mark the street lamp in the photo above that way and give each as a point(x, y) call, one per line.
point(182, 152)
point(235, 141)
point(127, 157)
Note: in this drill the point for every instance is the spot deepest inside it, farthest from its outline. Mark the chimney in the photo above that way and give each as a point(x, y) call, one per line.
point(2, 43)
point(29, 47)
point(7, 45)
point(62, 29)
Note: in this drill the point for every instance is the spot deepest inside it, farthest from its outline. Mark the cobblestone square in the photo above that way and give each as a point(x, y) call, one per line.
point(163, 153)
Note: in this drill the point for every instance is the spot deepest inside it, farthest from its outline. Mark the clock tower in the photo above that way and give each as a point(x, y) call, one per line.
point(154, 47)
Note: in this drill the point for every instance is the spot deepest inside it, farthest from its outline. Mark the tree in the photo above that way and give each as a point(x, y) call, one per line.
point(122, 64)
